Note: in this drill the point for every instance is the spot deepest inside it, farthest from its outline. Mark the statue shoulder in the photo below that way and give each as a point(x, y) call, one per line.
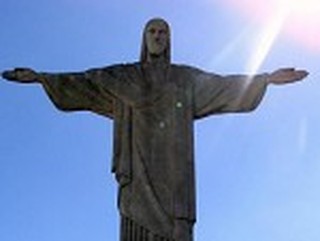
point(116, 68)
point(189, 72)
point(121, 66)
point(186, 68)
point(196, 72)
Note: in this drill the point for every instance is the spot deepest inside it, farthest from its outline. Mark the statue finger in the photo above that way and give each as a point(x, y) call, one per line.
point(302, 74)
point(287, 69)
point(9, 75)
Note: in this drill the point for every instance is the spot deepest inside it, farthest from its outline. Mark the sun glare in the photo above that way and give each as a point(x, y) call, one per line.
point(303, 23)
point(267, 37)
point(265, 41)
point(297, 20)
point(302, 7)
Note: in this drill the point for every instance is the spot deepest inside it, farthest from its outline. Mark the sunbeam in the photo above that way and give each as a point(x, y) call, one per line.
point(266, 39)
point(296, 20)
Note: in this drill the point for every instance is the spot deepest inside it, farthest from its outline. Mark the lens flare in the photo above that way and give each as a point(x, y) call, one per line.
point(301, 20)
point(296, 20)
point(265, 40)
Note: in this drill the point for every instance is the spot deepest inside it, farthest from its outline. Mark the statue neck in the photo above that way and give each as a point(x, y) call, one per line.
point(156, 59)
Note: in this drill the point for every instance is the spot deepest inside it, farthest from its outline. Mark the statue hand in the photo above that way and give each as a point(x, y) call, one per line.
point(287, 75)
point(22, 75)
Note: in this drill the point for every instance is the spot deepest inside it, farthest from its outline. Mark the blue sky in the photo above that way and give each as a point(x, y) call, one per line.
point(257, 174)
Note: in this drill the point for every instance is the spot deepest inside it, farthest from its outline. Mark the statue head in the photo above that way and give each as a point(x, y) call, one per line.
point(156, 41)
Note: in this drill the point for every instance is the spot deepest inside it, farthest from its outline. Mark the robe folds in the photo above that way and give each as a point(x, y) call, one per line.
point(153, 108)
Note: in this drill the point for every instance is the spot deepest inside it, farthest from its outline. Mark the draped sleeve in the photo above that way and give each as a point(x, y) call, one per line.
point(94, 90)
point(108, 91)
point(216, 94)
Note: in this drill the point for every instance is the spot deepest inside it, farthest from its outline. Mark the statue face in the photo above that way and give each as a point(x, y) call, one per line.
point(157, 37)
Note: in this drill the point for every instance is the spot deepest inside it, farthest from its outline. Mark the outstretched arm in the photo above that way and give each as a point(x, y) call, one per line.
point(27, 75)
point(68, 91)
point(215, 94)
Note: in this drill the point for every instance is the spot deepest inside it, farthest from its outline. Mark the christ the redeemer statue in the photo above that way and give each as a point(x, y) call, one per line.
point(154, 104)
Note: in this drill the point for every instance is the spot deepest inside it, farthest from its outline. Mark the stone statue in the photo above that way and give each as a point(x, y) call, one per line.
point(153, 104)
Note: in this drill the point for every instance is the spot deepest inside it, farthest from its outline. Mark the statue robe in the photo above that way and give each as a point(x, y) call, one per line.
point(153, 108)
